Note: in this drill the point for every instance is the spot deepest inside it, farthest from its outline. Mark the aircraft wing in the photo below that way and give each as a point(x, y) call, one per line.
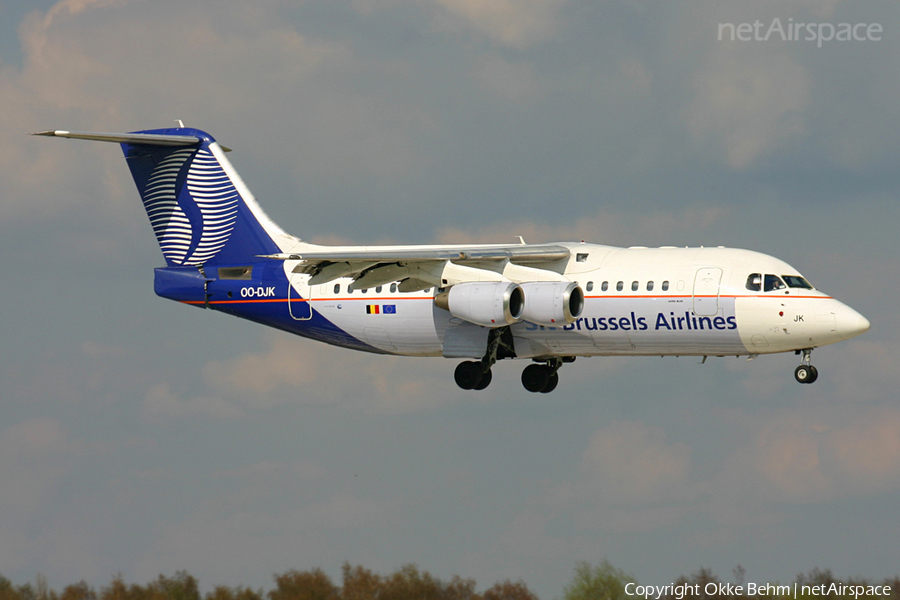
point(419, 267)
point(520, 254)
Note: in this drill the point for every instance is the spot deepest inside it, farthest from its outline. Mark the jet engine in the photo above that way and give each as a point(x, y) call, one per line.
point(487, 303)
point(552, 303)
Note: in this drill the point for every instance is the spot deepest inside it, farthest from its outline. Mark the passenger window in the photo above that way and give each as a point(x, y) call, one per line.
point(604, 286)
point(349, 288)
point(393, 288)
point(427, 290)
point(795, 281)
point(364, 290)
point(590, 286)
point(378, 290)
point(337, 288)
point(754, 282)
point(649, 286)
point(665, 286)
point(634, 286)
point(620, 286)
point(772, 282)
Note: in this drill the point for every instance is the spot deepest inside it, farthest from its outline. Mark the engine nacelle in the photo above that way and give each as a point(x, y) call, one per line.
point(552, 303)
point(487, 303)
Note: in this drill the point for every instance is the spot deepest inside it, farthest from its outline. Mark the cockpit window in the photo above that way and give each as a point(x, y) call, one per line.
point(795, 281)
point(773, 282)
point(754, 282)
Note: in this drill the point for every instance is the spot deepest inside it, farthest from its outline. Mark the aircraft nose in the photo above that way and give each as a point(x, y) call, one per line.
point(850, 323)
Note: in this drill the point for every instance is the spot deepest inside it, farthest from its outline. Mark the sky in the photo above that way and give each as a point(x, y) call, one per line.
point(141, 436)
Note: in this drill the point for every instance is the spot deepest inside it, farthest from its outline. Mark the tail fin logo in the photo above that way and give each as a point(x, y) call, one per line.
point(215, 196)
point(192, 222)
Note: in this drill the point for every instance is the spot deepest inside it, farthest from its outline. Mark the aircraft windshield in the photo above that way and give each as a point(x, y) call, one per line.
point(754, 282)
point(772, 282)
point(795, 281)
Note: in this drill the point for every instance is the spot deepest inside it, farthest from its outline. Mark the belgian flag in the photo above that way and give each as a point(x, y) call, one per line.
point(372, 309)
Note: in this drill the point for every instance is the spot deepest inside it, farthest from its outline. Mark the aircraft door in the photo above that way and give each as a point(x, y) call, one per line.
point(298, 306)
point(706, 291)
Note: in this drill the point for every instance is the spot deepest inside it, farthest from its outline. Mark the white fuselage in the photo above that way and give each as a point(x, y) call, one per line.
point(638, 301)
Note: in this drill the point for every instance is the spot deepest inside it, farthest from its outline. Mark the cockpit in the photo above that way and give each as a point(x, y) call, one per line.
point(768, 283)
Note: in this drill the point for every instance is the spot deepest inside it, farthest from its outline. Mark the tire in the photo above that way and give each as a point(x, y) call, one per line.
point(814, 374)
point(803, 374)
point(485, 380)
point(468, 374)
point(551, 384)
point(535, 378)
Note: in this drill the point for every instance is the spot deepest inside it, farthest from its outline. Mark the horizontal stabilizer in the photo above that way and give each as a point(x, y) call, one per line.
point(147, 139)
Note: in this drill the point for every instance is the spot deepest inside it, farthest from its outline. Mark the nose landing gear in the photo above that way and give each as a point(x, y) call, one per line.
point(806, 373)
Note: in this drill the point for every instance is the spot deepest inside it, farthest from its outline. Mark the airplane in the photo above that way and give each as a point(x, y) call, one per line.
point(545, 303)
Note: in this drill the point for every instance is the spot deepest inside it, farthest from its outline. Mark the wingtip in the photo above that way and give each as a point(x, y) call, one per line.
point(53, 133)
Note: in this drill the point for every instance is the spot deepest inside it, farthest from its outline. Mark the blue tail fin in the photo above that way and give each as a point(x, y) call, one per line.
point(199, 208)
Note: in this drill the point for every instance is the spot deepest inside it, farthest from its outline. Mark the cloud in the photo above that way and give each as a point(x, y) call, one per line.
point(630, 463)
point(788, 460)
point(31, 465)
point(514, 23)
point(510, 82)
point(630, 479)
point(748, 104)
point(160, 402)
point(294, 370)
point(654, 227)
point(864, 455)
point(274, 470)
point(204, 67)
point(35, 438)
point(810, 457)
point(253, 541)
point(867, 369)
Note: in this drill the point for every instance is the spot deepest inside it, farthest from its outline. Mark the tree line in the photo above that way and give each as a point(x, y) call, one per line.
point(588, 582)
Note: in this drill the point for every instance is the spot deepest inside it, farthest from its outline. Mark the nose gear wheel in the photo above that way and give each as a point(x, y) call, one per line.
point(806, 373)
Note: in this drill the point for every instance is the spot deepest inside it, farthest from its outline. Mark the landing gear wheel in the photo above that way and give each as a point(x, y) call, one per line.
point(535, 378)
point(485, 380)
point(814, 374)
point(806, 374)
point(551, 384)
point(468, 374)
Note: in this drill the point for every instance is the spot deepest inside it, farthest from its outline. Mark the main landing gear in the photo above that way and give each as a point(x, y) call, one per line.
point(539, 377)
point(476, 374)
point(471, 375)
point(806, 373)
point(542, 378)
